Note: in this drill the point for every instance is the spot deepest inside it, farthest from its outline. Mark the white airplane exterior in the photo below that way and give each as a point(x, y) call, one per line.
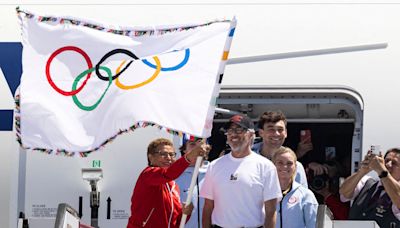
point(320, 62)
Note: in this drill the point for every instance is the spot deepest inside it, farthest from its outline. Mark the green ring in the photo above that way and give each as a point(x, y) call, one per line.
point(74, 85)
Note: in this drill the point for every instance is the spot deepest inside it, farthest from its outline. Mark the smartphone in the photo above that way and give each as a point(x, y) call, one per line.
point(375, 149)
point(305, 136)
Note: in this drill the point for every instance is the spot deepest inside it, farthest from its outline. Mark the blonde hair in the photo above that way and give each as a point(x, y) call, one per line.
point(284, 150)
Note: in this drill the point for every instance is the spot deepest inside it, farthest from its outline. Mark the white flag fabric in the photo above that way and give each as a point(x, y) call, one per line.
point(84, 83)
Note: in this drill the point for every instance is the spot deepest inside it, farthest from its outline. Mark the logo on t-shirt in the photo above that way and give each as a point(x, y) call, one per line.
point(234, 176)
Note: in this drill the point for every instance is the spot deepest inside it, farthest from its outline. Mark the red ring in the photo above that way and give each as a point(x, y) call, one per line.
point(52, 56)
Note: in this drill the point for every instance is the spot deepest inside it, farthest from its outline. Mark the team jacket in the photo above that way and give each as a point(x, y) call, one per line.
point(155, 201)
point(297, 209)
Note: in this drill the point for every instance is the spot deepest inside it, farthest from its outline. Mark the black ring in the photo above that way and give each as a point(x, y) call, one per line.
point(111, 53)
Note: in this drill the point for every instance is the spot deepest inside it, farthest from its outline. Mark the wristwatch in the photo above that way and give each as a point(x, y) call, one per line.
point(383, 174)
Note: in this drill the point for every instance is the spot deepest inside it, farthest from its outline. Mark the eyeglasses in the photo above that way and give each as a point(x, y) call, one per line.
point(166, 154)
point(238, 130)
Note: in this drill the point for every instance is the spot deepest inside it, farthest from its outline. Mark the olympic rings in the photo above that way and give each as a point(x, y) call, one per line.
point(76, 101)
point(180, 65)
point(109, 77)
point(158, 69)
point(52, 56)
point(113, 52)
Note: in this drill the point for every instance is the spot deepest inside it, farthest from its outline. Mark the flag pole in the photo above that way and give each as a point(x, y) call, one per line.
point(220, 73)
point(190, 192)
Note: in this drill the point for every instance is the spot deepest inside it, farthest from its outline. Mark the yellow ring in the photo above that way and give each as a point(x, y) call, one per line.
point(125, 87)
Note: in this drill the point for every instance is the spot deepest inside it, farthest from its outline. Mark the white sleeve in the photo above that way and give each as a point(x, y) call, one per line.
point(206, 187)
point(357, 190)
point(396, 211)
point(272, 188)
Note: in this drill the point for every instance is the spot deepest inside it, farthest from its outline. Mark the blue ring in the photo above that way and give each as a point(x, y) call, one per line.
point(184, 61)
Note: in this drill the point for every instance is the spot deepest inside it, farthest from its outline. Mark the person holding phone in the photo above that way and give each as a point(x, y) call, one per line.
point(377, 200)
point(305, 145)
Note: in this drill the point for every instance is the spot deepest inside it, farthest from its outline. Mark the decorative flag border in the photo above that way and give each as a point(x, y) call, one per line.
point(129, 33)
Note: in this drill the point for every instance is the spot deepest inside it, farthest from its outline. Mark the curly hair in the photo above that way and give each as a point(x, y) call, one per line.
point(271, 117)
point(152, 147)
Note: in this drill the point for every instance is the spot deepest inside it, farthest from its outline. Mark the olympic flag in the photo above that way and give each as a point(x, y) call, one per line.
point(83, 83)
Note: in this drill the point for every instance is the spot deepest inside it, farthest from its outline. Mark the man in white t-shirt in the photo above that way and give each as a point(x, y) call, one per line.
point(241, 189)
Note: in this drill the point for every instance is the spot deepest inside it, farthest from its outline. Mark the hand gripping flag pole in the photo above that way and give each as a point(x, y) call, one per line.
point(199, 159)
point(222, 65)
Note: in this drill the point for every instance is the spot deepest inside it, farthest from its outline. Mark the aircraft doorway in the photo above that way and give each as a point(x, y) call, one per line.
point(333, 115)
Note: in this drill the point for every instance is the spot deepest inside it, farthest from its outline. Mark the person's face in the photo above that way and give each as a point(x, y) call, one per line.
point(165, 155)
point(190, 145)
point(273, 134)
point(237, 137)
point(285, 165)
point(392, 163)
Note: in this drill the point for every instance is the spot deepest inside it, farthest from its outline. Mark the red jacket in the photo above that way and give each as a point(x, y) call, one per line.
point(156, 195)
point(339, 209)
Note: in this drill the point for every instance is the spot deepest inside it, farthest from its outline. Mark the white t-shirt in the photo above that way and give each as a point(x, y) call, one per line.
point(239, 188)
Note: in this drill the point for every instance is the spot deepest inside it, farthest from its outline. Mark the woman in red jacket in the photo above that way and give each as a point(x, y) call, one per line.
point(155, 200)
